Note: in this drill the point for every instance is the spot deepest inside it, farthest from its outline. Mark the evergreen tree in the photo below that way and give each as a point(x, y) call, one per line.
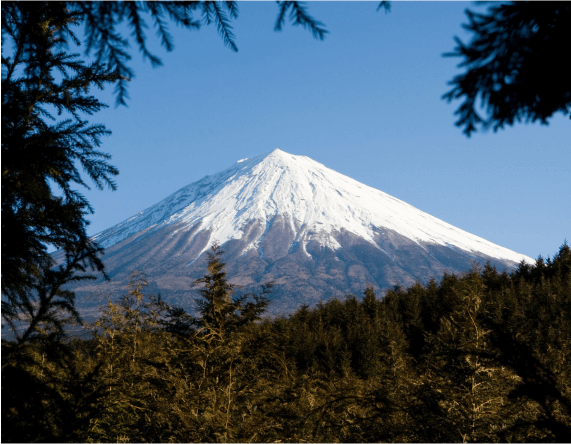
point(40, 155)
point(514, 65)
point(207, 366)
point(462, 368)
point(530, 323)
point(220, 313)
point(218, 347)
point(132, 353)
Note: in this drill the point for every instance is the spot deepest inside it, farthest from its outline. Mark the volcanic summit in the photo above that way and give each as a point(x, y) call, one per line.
point(286, 218)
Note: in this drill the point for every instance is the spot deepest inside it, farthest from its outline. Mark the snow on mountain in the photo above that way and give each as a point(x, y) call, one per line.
point(316, 202)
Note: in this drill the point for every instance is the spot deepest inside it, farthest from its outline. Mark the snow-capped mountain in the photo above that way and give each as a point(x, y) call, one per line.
point(288, 218)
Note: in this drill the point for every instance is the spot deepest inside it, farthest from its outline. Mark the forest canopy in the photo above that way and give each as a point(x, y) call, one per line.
point(477, 357)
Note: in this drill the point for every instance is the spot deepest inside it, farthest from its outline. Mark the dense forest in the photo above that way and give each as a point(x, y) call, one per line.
point(477, 357)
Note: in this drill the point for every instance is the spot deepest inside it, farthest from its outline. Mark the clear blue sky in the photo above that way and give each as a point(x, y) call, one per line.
point(366, 102)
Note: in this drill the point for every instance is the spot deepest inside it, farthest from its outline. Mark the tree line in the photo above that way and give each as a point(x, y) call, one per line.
point(482, 356)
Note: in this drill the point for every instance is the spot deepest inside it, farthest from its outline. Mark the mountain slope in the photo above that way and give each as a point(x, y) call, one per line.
point(288, 218)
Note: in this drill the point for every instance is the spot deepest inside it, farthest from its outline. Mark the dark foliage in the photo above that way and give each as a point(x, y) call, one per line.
point(220, 312)
point(39, 155)
point(478, 357)
point(110, 47)
point(515, 65)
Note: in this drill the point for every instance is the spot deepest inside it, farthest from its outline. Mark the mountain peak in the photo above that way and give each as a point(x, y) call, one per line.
point(277, 154)
point(289, 219)
point(315, 202)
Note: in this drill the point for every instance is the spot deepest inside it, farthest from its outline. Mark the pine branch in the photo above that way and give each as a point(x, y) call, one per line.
point(299, 17)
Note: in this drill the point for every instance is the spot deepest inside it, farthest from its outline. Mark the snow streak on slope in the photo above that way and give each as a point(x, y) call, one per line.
point(317, 202)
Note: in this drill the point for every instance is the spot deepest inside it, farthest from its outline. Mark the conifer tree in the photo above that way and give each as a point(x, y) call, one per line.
point(514, 65)
point(531, 321)
point(132, 354)
point(41, 154)
point(461, 367)
point(219, 342)
point(208, 360)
